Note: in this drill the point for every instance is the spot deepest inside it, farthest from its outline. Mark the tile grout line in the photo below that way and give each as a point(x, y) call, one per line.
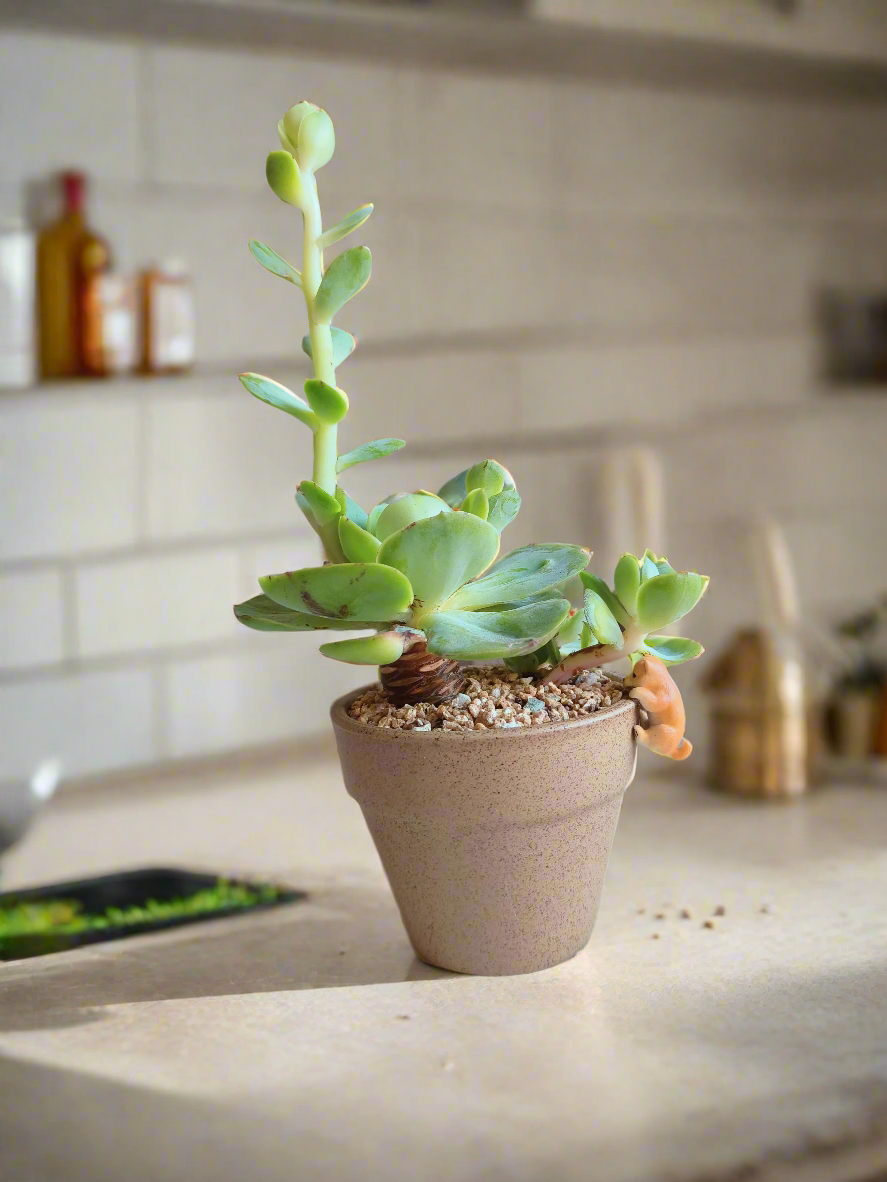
point(70, 627)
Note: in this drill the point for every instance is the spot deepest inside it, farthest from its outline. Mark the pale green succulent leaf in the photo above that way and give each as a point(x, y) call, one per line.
point(288, 127)
point(547, 654)
point(672, 650)
point(264, 615)
point(440, 553)
point(353, 511)
point(595, 583)
point(329, 403)
point(649, 569)
point(285, 142)
point(277, 395)
point(344, 345)
point(283, 176)
point(357, 544)
point(627, 580)
point(568, 637)
point(504, 508)
point(662, 599)
point(377, 449)
point(526, 571)
point(346, 275)
point(403, 510)
point(343, 591)
point(377, 511)
point(324, 507)
point(601, 620)
point(488, 636)
point(476, 502)
point(453, 492)
point(488, 476)
point(272, 262)
point(381, 649)
point(316, 139)
point(551, 593)
point(340, 230)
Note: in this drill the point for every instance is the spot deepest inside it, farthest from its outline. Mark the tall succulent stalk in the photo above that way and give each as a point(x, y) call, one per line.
point(420, 570)
point(326, 435)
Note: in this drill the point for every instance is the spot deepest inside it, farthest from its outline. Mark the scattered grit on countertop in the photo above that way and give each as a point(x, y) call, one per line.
point(494, 698)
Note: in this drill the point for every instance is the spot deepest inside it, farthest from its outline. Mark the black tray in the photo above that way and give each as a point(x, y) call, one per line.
point(129, 888)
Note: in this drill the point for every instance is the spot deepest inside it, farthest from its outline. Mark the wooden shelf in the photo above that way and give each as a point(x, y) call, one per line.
point(616, 38)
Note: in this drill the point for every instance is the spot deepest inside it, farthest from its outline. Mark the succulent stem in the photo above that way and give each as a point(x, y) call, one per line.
point(325, 441)
point(593, 657)
point(421, 676)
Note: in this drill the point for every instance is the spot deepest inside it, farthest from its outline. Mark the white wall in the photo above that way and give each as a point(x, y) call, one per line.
point(550, 256)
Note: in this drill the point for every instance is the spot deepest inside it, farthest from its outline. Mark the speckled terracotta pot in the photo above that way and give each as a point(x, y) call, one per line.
point(495, 842)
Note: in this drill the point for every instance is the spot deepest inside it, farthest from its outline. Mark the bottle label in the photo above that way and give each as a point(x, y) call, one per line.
point(172, 326)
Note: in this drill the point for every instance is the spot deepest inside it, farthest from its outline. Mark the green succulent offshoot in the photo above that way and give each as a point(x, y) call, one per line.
point(648, 594)
point(421, 568)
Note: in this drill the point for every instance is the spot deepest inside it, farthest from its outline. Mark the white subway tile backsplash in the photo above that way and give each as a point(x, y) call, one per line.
point(777, 465)
point(438, 396)
point(663, 276)
point(68, 474)
point(31, 619)
point(68, 102)
point(156, 602)
point(648, 382)
point(635, 151)
point(213, 117)
point(476, 139)
point(484, 270)
point(293, 552)
point(93, 721)
point(280, 689)
point(222, 464)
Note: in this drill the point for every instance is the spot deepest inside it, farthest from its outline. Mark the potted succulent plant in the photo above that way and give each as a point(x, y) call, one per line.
point(492, 792)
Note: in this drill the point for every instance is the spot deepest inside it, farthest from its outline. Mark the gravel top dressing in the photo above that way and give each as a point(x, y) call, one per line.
point(494, 698)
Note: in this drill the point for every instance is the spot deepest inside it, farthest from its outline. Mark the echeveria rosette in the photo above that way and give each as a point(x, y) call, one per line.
point(421, 570)
point(648, 595)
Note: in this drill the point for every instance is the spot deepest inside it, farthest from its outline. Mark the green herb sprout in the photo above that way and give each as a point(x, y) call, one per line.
point(419, 570)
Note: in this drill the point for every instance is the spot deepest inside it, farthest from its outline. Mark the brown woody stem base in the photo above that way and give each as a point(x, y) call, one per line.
point(420, 676)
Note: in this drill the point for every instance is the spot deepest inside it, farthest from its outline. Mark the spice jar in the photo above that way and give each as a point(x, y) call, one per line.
point(167, 318)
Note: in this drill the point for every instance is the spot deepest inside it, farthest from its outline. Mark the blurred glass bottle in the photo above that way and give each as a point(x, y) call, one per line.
point(70, 258)
point(168, 328)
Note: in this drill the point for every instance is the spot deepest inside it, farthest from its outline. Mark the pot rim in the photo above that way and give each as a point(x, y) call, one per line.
point(383, 734)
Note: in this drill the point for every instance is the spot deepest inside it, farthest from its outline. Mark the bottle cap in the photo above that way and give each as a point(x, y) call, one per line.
point(175, 268)
point(73, 187)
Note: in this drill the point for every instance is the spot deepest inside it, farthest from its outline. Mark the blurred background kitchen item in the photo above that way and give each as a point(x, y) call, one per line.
point(855, 337)
point(21, 801)
point(765, 716)
point(17, 333)
point(635, 207)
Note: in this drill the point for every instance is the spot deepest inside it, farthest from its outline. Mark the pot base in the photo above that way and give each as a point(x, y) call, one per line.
point(495, 842)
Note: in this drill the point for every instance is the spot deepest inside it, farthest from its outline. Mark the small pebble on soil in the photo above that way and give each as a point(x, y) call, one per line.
point(494, 698)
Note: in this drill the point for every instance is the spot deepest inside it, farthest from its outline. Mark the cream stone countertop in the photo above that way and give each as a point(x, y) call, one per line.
point(308, 1043)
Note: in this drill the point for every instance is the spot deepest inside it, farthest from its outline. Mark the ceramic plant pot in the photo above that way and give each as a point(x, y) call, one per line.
point(495, 842)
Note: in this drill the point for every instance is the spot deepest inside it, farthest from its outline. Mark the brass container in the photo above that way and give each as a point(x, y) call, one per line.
point(765, 731)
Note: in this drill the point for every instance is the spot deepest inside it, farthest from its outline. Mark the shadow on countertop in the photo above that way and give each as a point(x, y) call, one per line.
point(343, 935)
